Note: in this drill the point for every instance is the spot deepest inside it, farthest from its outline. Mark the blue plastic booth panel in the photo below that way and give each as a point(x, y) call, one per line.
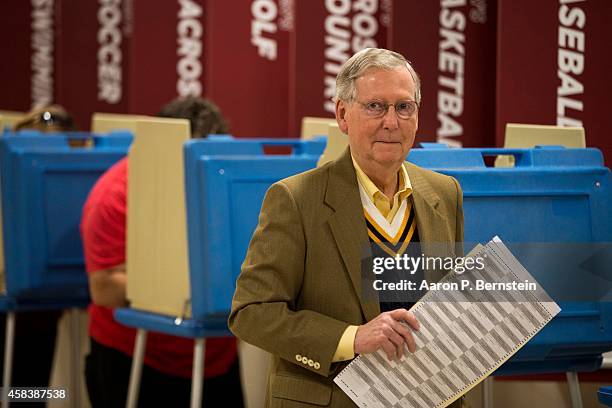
point(604, 395)
point(551, 195)
point(45, 183)
point(222, 214)
point(239, 184)
point(228, 145)
point(212, 326)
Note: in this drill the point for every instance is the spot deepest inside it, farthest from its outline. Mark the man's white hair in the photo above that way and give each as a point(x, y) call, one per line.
point(368, 58)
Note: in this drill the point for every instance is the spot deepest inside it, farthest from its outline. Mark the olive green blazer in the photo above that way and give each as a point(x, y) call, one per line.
point(300, 284)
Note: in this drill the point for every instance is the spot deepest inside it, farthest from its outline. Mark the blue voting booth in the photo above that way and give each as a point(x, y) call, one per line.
point(222, 211)
point(604, 395)
point(219, 230)
point(44, 184)
point(551, 195)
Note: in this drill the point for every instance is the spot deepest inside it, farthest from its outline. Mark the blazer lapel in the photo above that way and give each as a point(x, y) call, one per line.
point(348, 228)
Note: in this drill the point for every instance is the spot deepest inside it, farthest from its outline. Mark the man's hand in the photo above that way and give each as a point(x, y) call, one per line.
point(387, 331)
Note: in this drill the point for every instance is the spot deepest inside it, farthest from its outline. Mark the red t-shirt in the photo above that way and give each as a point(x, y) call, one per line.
point(103, 232)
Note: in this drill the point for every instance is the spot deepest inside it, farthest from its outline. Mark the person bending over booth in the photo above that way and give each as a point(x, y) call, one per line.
point(166, 376)
point(299, 294)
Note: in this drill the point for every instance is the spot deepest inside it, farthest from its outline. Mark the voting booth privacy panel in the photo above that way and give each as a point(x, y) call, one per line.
point(8, 119)
point(604, 395)
point(45, 183)
point(156, 246)
point(552, 195)
point(225, 185)
point(221, 215)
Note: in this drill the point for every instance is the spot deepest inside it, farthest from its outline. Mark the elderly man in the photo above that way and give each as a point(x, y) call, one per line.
point(300, 295)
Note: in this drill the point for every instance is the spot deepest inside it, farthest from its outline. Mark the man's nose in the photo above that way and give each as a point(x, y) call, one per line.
point(390, 119)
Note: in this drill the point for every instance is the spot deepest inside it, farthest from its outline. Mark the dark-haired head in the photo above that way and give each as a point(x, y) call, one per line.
point(204, 116)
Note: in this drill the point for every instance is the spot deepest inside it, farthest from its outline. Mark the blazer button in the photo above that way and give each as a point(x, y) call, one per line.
point(298, 357)
point(305, 360)
point(317, 365)
point(310, 362)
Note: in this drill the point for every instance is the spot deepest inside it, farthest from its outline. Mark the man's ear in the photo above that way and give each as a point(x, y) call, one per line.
point(341, 116)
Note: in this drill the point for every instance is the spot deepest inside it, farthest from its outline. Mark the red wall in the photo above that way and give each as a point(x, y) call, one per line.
point(92, 58)
point(451, 44)
point(268, 63)
point(554, 66)
point(16, 73)
point(326, 34)
point(247, 57)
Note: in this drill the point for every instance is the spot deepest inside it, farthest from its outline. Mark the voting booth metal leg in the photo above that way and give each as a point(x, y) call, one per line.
point(75, 358)
point(487, 392)
point(9, 342)
point(136, 371)
point(197, 378)
point(574, 389)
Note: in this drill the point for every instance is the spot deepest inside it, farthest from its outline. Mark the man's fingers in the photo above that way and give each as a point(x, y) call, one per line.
point(394, 329)
point(412, 321)
point(398, 341)
point(406, 336)
point(389, 349)
point(406, 316)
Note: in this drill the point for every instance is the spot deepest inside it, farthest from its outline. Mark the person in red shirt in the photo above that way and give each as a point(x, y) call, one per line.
point(166, 377)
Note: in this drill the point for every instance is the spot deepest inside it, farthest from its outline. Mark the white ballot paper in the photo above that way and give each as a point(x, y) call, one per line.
point(464, 336)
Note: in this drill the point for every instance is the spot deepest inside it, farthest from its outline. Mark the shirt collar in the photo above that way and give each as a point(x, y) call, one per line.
point(404, 190)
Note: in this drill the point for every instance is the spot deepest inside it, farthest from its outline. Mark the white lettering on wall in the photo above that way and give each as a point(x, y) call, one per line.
point(451, 67)
point(263, 25)
point(109, 52)
point(41, 83)
point(570, 61)
point(189, 49)
point(345, 36)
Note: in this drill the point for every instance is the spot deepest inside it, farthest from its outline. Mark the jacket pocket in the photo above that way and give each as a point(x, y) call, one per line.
point(301, 390)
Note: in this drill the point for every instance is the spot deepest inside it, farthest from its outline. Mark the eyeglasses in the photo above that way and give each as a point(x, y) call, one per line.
point(378, 109)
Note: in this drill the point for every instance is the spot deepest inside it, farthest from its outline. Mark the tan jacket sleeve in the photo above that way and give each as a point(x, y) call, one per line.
point(265, 309)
